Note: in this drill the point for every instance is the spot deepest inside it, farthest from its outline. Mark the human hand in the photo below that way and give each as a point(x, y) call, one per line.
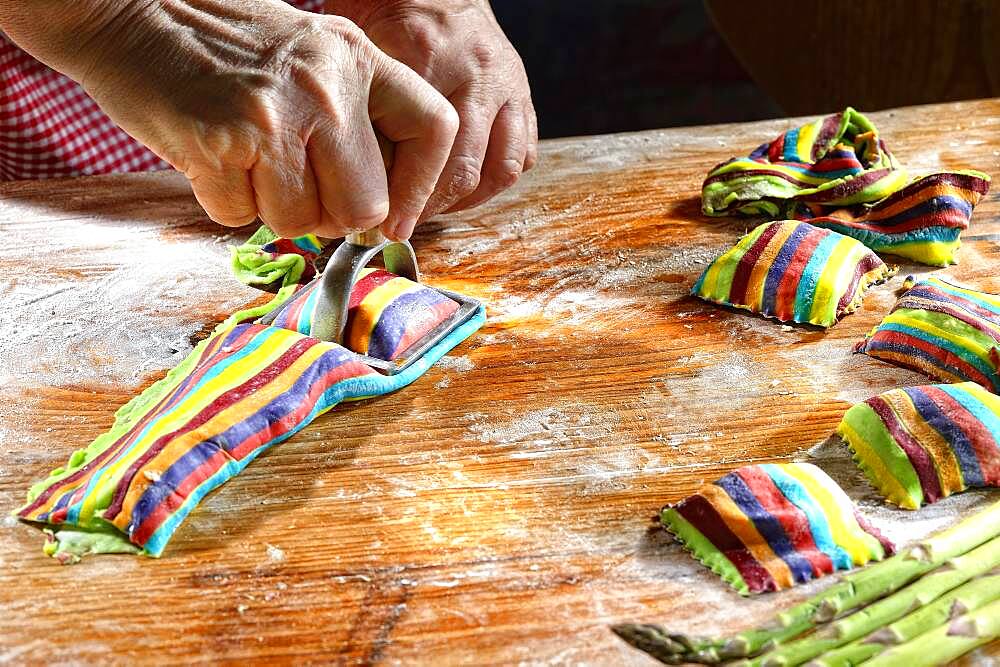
point(459, 48)
point(269, 111)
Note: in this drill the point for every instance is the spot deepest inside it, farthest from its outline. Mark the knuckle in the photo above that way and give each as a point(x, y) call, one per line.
point(485, 54)
point(447, 120)
point(464, 177)
point(506, 173)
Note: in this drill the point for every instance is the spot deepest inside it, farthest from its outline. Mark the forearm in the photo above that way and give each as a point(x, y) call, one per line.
point(61, 33)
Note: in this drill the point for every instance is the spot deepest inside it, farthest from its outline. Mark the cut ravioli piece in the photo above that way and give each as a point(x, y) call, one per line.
point(923, 221)
point(386, 313)
point(769, 527)
point(793, 272)
point(920, 444)
point(947, 332)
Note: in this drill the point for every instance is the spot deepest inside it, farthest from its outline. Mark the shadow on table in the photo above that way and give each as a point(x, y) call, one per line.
point(284, 479)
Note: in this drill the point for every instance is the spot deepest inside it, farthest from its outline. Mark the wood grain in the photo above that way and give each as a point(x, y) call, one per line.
point(497, 511)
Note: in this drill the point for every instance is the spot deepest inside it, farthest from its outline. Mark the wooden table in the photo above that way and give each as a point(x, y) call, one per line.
point(497, 511)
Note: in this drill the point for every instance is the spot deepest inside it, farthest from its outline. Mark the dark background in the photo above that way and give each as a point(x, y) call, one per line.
point(601, 66)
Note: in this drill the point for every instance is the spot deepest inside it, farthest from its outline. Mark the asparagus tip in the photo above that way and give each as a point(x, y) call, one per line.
point(957, 609)
point(737, 647)
point(963, 627)
point(885, 637)
point(651, 639)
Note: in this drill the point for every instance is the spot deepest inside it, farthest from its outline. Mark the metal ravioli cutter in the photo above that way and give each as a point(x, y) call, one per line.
point(344, 269)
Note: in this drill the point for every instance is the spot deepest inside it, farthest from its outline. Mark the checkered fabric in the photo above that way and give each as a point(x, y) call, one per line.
point(51, 128)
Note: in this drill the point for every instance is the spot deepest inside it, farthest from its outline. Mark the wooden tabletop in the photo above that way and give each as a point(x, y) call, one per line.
point(498, 510)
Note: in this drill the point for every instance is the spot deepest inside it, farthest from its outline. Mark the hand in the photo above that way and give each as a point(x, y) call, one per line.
point(269, 111)
point(459, 48)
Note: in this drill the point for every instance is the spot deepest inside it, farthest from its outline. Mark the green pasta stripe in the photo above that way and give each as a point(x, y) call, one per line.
point(866, 435)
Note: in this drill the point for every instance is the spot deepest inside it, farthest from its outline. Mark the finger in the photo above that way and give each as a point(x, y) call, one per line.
point(226, 196)
point(461, 173)
point(422, 124)
point(285, 189)
point(350, 174)
point(504, 158)
point(531, 152)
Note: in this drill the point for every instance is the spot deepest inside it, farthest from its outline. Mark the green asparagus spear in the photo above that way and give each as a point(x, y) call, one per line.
point(854, 590)
point(946, 642)
point(968, 597)
point(925, 590)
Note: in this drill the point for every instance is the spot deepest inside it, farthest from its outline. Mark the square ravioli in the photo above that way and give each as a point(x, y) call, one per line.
point(947, 332)
point(772, 526)
point(920, 444)
point(386, 313)
point(793, 272)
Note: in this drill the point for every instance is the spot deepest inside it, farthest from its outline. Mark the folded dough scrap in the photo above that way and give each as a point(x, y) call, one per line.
point(920, 444)
point(267, 258)
point(768, 527)
point(947, 332)
point(243, 390)
point(837, 172)
point(793, 272)
point(923, 221)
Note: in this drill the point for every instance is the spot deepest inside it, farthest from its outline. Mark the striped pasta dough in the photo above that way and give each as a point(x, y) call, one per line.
point(241, 391)
point(769, 527)
point(837, 173)
point(947, 332)
point(793, 272)
point(923, 221)
point(835, 161)
point(246, 388)
point(386, 313)
point(920, 444)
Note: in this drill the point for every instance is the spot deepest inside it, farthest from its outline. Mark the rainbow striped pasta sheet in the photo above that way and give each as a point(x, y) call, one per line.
point(246, 388)
point(793, 272)
point(837, 173)
point(920, 444)
point(947, 332)
point(769, 527)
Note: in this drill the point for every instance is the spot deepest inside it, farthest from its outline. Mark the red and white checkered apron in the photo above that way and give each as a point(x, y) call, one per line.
point(50, 128)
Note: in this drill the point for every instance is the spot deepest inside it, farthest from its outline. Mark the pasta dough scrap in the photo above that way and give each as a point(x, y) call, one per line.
point(793, 272)
point(923, 221)
point(769, 527)
point(836, 161)
point(837, 172)
point(947, 332)
point(386, 313)
point(920, 444)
